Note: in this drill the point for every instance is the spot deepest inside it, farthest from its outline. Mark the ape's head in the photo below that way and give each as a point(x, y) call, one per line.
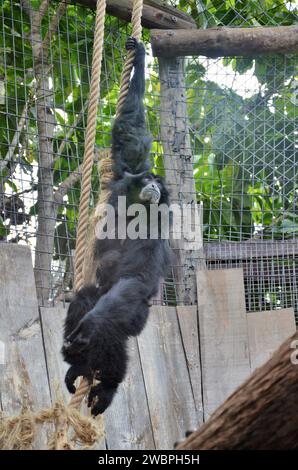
point(147, 188)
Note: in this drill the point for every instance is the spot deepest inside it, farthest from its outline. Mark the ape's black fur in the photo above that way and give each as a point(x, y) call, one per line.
point(101, 318)
point(131, 143)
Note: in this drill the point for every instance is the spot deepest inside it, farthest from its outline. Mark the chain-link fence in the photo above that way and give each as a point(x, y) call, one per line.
point(243, 131)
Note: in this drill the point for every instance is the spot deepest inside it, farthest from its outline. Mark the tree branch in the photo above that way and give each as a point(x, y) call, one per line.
point(71, 131)
point(53, 26)
point(43, 8)
point(72, 178)
point(68, 183)
point(16, 138)
point(26, 5)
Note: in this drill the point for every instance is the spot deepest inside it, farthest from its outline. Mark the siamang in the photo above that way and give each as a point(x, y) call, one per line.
point(102, 317)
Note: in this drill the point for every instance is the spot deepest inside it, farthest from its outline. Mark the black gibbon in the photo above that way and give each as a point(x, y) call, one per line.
point(102, 317)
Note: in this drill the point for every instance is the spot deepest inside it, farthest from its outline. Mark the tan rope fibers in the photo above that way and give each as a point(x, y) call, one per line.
point(89, 143)
point(105, 168)
point(105, 165)
point(19, 432)
point(106, 173)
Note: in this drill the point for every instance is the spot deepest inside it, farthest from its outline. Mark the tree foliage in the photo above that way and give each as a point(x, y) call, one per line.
point(244, 145)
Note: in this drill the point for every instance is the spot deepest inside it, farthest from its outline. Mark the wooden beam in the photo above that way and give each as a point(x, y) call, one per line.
point(156, 14)
point(220, 42)
point(227, 251)
point(178, 163)
point(261, 414)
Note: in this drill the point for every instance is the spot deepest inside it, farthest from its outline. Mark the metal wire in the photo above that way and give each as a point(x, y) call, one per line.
point(243, 128)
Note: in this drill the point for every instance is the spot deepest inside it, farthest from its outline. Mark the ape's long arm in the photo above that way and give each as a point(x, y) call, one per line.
point(131, 142)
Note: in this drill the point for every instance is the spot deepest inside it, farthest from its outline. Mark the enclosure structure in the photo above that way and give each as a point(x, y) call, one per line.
point(241, 137)
point(224, 136)
point(182, 366)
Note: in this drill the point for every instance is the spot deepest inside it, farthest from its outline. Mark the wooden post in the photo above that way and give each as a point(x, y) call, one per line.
point(262, 414)
point(220, 42)
point(179, 171)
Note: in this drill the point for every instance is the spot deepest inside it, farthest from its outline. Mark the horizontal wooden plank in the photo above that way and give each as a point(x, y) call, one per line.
point(250, 249)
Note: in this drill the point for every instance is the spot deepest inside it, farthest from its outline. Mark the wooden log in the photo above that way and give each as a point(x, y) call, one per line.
point(156, 14)
point(261, 414)
point(220, 42)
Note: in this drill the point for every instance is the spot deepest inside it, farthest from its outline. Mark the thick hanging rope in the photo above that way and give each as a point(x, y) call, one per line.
point(87, 271)
point(137, 34)
point(86, 187)
point(19, 432)
point(89, 143)
point(105, 165)
point(91, 126)
point(70, 427)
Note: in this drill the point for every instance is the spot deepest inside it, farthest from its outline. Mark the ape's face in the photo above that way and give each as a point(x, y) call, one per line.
point(147, 188)
point(151, 190)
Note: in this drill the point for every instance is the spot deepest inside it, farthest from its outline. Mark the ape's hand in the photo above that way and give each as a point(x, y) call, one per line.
point(80, 338)
point(73, 373)
point(133, 44)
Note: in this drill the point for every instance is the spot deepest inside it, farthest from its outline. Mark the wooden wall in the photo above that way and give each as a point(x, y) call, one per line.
point(182, 366)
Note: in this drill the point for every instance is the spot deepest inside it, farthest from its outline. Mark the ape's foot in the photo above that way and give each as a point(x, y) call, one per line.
point(100, 397)
point(131, 43)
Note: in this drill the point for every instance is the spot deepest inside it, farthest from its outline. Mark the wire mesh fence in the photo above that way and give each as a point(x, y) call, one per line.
point(242, 116)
